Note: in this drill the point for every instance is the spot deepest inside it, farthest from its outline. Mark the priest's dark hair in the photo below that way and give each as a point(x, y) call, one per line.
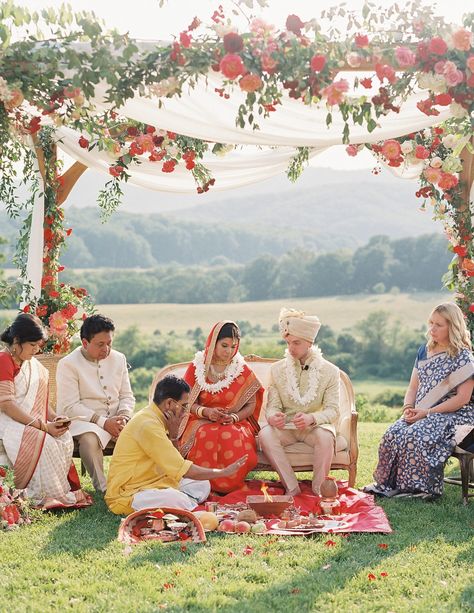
point(170, 387)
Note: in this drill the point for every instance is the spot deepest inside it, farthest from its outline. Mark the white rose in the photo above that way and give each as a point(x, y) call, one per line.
point(436, 162)
point(457, 110)
point(449, 141)
point(407, 147)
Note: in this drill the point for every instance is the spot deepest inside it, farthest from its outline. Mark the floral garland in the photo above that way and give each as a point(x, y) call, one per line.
point(291, 383)
point(437, 152)
point(232, 371)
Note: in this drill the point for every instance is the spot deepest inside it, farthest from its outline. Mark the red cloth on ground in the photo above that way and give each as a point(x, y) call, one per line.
point(358, 510)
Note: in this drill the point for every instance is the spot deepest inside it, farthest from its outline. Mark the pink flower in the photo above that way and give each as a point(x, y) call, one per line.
point(354, 60)
point(231, 65)
point(470, 63)
point(391, 149)
point(421, 152)
point(384, 71)
point(462, 40)
point(432, 175)
point(318, 62)
point(437, 46)
point(335, 92)
point(268, 63)
point(352, 150)
point(405, 57)
point(453, 77)
point(58, 323)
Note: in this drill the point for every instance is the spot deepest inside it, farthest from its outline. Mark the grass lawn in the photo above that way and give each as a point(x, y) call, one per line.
point(72, 560)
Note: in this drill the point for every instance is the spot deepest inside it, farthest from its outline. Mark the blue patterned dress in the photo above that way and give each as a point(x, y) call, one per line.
point(412, 456)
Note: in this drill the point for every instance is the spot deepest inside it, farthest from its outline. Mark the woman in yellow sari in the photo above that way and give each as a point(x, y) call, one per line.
point(225, 402)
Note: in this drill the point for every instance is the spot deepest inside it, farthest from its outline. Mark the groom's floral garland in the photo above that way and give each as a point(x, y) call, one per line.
point(232, 371)
point(291, 384)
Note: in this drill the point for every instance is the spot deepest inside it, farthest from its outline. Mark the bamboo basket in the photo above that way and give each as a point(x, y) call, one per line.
point(50, 362)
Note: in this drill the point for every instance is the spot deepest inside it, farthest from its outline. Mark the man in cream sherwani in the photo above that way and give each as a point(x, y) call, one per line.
point(93, 383)
point(303, 401)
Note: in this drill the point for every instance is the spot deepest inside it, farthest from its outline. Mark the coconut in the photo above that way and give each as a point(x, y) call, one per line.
point(208, 520)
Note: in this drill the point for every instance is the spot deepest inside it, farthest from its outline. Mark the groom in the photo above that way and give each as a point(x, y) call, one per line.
point(303, 402)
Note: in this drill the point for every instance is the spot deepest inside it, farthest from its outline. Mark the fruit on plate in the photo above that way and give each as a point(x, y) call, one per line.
point(227, 525)
point(258, 528)
point(242, 526)
point(208, 520)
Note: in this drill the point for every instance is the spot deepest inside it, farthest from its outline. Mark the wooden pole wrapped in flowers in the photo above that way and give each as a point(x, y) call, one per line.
point(403, 49)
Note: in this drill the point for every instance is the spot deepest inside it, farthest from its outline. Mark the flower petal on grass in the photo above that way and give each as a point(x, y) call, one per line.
point(371, 577)
point(330, 543)
point(382, 545)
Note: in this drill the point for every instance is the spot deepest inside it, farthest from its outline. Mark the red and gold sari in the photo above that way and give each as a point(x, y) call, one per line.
point(215, 445)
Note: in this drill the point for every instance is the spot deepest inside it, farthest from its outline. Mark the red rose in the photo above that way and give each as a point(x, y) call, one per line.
point(54, 294)
point(41, 310)
point(471, 308)
point(437, 46)
point(421, 152)
point(116, 171)
point(185, 40)
point(233, 42)
point(460, 250)
point(318, 62)
point(26, 308)
point(250, 82)
point(83, 142)
point(361, 40)
point(34, 125)
point(443, 99)
point(367, 83)
point(171, 135)
point(69, 232)
point(294, 24)
point(231, 66)
point(168, 166)
point(447, 181)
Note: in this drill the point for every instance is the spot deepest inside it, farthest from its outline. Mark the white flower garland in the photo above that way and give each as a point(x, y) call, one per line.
point(292, 385)
point(232, 371)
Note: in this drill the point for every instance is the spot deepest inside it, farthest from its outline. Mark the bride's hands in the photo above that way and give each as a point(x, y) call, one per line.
point(213, 414)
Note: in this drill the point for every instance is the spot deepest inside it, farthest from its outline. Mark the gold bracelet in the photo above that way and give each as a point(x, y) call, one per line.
point(235, 417)
point(408, 406)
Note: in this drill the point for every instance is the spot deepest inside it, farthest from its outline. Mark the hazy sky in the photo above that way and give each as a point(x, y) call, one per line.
point(146, 20)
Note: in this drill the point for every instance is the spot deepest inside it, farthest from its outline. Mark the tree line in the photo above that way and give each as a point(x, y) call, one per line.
point(376, 347)
point(382, 265)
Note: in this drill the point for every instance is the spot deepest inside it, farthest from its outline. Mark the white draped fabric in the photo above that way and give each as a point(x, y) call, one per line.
point(202, 113)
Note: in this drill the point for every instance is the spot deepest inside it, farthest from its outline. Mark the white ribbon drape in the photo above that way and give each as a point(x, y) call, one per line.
point(34, 265)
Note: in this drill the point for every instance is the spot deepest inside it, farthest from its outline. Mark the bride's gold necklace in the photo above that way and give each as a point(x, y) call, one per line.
point(217, 374)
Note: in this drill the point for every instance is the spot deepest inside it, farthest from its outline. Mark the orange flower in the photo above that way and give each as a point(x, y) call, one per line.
point(250, 82)
point(462, 40)
point(391, 149)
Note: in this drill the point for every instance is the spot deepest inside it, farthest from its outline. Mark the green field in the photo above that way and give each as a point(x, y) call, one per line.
point(339, 312)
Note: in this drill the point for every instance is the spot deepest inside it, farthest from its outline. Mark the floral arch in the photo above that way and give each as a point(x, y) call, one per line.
point(218, 108)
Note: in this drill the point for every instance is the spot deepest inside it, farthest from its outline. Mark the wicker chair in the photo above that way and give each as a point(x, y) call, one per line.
point(347, 448)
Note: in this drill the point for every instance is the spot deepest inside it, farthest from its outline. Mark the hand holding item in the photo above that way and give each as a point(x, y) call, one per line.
point(277, 420)
point(56, 428)
point(226, 419)
point(63, 420)
point(303, 420)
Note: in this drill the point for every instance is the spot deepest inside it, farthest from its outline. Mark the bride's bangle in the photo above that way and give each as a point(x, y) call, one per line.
point(31, 422)
point(409, 405)
point(200, 411)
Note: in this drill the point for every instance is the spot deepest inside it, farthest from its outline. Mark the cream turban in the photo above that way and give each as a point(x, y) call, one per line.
point(298, 324)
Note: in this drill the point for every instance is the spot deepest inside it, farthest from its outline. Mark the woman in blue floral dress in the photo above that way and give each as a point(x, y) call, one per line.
point(415, 449)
